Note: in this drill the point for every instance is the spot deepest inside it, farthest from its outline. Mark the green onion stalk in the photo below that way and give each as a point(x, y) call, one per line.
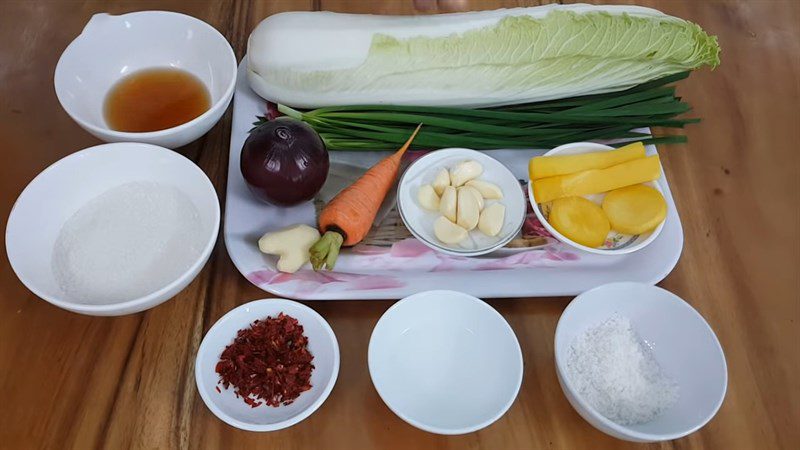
point(610, 116)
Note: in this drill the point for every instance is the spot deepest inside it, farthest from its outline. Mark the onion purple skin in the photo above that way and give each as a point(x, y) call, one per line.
point(284, 162)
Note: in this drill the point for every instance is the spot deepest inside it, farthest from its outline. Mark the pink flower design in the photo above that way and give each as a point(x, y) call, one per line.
point(310, 281)
point(555, 253)
point(531, 258)
point(534, 227)
point(449, 263)
point(408, 253)
point(363, 249)
point(409, 248)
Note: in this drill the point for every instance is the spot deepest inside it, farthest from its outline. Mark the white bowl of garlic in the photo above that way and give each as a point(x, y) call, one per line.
point(461, 202)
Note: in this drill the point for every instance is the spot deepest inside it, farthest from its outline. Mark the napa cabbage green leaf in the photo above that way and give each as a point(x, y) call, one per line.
point(519, 59)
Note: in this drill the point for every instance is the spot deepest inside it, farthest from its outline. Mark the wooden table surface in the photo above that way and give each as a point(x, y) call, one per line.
point(68, 380)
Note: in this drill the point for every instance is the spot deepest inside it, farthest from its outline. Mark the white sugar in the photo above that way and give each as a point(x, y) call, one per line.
point(616, 373)
point(128, 242)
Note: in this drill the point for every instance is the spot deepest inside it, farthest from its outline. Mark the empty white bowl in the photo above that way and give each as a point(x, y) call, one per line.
point(63, 188)
point(234, 411)
point(419, 220)
point(111, 47)
point(682, 343)
point(445, 362)
point(616, 243)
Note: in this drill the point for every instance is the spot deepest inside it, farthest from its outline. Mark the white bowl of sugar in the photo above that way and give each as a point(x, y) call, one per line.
point(639, 363)
point(113, 229)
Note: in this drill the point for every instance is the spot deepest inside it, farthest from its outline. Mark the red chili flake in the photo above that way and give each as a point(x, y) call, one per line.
point(269, 361)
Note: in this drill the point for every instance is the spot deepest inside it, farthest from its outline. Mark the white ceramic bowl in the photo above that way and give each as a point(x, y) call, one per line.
point(60, 190)
point(616, 243)
point(445, 362)
point(682, 342)
point(111, 47)
point(419, 221)
point(321, 343)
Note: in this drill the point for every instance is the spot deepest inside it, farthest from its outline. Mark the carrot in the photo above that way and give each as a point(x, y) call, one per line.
point(348, 217)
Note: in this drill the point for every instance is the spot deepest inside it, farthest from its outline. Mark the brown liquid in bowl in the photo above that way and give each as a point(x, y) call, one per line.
point(155, 99)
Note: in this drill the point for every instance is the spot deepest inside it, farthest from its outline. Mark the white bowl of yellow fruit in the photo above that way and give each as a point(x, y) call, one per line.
point(597, 198)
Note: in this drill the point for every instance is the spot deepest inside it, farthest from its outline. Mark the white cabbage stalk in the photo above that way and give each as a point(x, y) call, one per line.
point(475, 59)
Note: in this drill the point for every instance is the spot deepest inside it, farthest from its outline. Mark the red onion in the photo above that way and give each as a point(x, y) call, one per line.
point(284, 162)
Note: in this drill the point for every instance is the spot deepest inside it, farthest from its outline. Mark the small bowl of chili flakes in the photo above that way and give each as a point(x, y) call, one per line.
point(267, 365)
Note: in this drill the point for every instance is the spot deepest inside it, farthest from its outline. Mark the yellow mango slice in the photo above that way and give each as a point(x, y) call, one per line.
point(635, 209)
point(580, 220)
point(595, 181)
point(550, 166)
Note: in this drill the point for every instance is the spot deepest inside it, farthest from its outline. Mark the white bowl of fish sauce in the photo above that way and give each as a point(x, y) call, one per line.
point(156, 77)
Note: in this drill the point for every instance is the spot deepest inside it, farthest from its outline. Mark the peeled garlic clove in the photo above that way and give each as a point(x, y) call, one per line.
point(468, 211)
point(475, 193)
point(464, 172)
point(447, 204)
point(441, 181)
point(448, 232)
point(489, 191)
point(492, 218)
point(427, 198)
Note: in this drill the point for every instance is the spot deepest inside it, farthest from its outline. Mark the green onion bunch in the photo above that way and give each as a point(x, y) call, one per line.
point(547, 124)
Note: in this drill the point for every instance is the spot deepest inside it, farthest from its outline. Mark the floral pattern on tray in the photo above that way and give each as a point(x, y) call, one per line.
point(401, 255)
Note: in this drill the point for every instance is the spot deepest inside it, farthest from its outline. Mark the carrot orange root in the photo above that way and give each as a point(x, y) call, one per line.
point(348, 217)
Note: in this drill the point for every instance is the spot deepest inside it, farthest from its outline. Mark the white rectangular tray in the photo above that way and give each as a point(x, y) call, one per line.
point(393, 265)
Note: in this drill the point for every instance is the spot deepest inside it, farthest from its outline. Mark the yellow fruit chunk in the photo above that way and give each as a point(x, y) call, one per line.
point(550, 166)
point(580, 220)
point(595, 181)
point(635, 209)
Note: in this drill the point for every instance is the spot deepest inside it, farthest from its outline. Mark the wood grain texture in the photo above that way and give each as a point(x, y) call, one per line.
point(70, 381)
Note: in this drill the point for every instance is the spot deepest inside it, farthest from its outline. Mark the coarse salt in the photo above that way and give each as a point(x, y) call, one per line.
point(126, 243)
point(615, 372)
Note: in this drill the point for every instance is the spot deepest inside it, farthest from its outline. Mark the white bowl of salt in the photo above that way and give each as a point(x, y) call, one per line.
point(113, 229)
point(639, 363)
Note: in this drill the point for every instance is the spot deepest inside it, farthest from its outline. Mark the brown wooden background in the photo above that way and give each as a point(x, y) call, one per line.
point(75, 381)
